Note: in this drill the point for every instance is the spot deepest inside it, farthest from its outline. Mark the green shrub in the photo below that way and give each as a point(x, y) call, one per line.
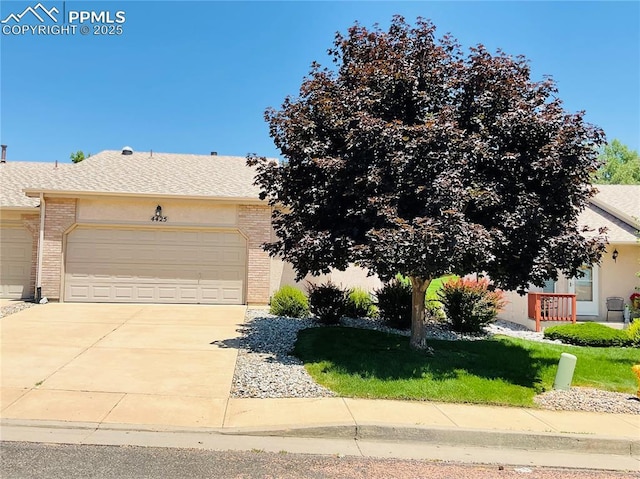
point(394, 303)
point(634, 333)
point(470, 304)
point(359, 304)
point(327, 301)
point(289, 301)
point(589, 334)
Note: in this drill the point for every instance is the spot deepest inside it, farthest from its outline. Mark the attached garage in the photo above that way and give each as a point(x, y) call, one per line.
point(151, 265)
point(15, 262)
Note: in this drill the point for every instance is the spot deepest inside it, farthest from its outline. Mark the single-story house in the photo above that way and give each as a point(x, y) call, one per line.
point(125, 226)
point(616, 207)
point(128, 226)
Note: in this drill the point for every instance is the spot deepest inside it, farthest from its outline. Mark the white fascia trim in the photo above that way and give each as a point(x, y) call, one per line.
point(622, 216)
point(84, 194)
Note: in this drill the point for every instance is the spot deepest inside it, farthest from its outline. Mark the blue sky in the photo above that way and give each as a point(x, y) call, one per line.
point(195, 77)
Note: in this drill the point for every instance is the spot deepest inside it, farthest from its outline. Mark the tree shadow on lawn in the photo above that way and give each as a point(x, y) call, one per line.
point(376, 355)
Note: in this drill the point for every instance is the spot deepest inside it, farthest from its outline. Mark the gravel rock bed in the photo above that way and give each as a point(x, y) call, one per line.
point(588, 399)
point(265, 369)
point(14, 308)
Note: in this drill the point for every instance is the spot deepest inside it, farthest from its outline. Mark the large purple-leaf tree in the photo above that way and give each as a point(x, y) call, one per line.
point(408, 156)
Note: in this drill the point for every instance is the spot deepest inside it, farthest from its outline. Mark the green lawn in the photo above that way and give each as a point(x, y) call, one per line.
point(370, 364)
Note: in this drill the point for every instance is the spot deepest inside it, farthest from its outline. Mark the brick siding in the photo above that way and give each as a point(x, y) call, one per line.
point(255, 223)
point(60, 214)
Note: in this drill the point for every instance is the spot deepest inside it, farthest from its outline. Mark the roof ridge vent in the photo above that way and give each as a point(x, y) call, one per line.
point(127, 150)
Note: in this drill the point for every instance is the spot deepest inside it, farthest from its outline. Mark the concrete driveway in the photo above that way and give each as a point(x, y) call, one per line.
point(126, 364)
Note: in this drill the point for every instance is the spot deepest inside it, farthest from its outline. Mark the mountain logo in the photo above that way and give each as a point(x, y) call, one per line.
point(39, 11)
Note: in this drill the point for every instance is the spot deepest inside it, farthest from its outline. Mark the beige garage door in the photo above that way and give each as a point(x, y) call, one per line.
point(15, 262)
point(155, 266)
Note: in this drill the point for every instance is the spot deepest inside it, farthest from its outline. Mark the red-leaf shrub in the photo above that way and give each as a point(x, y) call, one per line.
point(471, 304)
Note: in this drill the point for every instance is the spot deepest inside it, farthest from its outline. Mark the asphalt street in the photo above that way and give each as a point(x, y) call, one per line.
point(20, 460)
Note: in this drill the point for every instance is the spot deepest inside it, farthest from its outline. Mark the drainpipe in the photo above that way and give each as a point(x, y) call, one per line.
point(40, 250)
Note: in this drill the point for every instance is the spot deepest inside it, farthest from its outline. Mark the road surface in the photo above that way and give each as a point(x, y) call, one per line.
point(21, 460)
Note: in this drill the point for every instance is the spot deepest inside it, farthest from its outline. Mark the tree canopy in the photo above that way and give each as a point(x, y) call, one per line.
point(410, 157)
point(78, 156)
point(620, 165)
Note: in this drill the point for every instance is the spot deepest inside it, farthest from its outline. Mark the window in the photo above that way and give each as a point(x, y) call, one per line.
point(549, 286)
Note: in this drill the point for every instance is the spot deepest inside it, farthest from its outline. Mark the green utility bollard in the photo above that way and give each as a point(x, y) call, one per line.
point(566, 367)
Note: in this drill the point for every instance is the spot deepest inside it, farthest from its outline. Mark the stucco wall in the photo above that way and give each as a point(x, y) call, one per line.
point(282, 273)
point(352, 277)
point(615, 278)
point(618, 278)
point(11, 216)
point(133, 211)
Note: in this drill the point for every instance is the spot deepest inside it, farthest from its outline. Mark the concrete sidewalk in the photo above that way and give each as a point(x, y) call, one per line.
point(435, 431)
point(409, 430)
point(90, 374)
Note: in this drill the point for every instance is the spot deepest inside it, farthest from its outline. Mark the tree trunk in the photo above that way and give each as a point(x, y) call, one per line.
point(418, 329)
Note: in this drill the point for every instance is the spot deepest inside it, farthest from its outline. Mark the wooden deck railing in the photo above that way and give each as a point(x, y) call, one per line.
point(552, 307)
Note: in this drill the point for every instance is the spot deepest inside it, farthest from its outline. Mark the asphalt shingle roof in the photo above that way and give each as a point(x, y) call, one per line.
point(625, 198)
point(618, 231)
point(156, 174)
point(17, 175)
point(147, 173)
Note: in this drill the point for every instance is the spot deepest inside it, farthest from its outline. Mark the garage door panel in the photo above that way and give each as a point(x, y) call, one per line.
point(14, 270)
point(77, 292)
point(101, 292)
point(159, 276)
point(15, 252)
point(222, 275)
point(80, 252)
point(173, 266)
point(16, 247)
point(230, 294)
point(143, 293)
point(15, 291)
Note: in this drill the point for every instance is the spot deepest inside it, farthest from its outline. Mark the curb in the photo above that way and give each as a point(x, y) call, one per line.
point(580, 443)
point(435, 436)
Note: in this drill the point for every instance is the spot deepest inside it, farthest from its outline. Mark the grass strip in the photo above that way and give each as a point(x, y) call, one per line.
point(501, 370)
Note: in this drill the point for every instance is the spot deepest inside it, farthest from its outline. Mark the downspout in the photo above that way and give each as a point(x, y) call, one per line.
point(40, 250)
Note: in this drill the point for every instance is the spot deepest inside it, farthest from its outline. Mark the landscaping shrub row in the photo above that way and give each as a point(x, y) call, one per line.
point(595, 335)
point(327, 301)
point(469, 304)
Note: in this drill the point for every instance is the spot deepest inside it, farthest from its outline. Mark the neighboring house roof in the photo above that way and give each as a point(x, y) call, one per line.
point(616, 207)
point(157, 174)
point(622, 201)
point(618, 231)
point(625, 198)
point(15, 176)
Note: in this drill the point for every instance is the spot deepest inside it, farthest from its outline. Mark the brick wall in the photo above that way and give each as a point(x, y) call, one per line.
point(60, 214)
point(32, 224)
point(255, 223)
